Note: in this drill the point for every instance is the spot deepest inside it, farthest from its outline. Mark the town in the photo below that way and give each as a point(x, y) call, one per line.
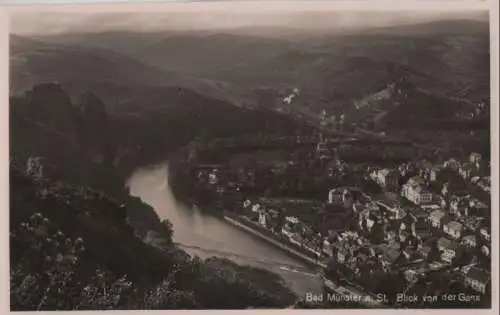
point(381, 226)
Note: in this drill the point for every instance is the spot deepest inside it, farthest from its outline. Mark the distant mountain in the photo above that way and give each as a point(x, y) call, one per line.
point(47, 62)
point(207, 55)
point(83, 68)
point(332, 69)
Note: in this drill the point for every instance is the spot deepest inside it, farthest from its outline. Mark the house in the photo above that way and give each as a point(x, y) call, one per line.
point(420, 225)
point(467, 170)
point(425, 166)
point(389, 257)
point(448, 249)
point(34, 166)
point(425, 170)
point(469, 241)
point(477, 279)
point(390, 236)
point(414, 191)
point(485, 233)
point(328, 246)
point(404, 169)
point(414, 273)
point(419, 217)
point(265, 219)
point(340, 196)
point(287, 230)
point(436, 218)
point(456, 204)
point(472, 223)
point(340, 252)
point(475, 158)
point(213, 177)
point(342, 255)
point(424, 251)
point(297, 239)
point(430, 207)
point(386, 178)
point(474, 180)
point(453, 229)
point(409, 239)
point(392, 207)
point(434, 173)
point(452, 164)
point(485, 250)
point(478, 205)
point(485, 183)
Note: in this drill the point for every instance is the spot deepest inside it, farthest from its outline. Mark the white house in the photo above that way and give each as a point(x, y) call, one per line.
point(453, 229)
point(477, 279)
point(34, 166)
point(475, 158)
point(485, 234)
point(448, 249)
point(340, 196)
point(452, 164)
point(414, 191)
point(467, 170)
point(435, 218)
point(213, 177)
point(434, 173)
point(469, 241)
point(386, 178)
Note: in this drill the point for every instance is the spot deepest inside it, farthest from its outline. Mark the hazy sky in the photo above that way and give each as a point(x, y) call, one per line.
point(98, 18)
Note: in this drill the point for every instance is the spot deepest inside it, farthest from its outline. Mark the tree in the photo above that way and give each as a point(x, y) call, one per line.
point(168, 230)
point(49, 276)
point(166, 296)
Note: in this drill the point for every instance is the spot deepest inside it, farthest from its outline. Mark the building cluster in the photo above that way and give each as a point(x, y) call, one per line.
point(419, 224)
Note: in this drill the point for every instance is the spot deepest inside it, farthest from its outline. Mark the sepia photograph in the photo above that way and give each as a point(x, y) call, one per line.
point(211, 156)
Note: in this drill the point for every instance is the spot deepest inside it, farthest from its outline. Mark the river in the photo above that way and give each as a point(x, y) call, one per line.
point(205, 235)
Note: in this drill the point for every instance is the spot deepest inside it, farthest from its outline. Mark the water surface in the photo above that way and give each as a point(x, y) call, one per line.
point(205, 235)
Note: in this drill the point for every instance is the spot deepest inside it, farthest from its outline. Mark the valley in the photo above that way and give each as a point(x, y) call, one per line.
point(143, 141)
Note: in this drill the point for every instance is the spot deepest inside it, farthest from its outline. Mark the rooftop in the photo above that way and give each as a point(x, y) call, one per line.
point(387, 202)
point(384, 172)
point(415, 180)
point(430, 207)
point(445, 243)
point(467, 166)
point(470, 237)
point(454, 225)
point(424, 250)
point(391, 254)
point(437, 214)
point(416, 211)
point(478, 274)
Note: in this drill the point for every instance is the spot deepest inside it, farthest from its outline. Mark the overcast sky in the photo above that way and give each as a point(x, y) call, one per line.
point(195, 17)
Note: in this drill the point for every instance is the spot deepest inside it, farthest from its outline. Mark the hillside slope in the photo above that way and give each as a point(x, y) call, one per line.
point(74, 225)
point(72, 249)
point(82, 68)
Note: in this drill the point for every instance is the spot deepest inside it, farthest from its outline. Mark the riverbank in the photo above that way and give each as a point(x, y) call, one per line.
point(366, 299)
point(246, 225)
point(307, 256)
point(203, 232)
